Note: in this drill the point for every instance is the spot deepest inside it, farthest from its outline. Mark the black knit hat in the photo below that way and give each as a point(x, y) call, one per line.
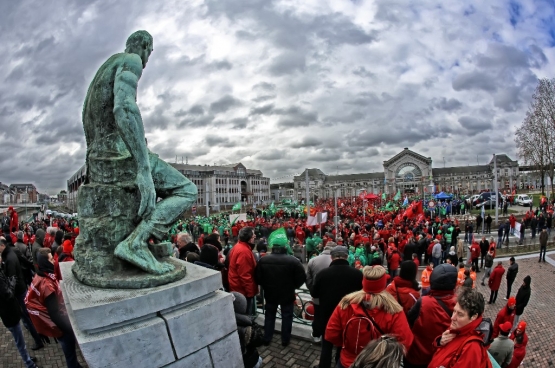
point(209, 254)
point(408, 270)
point(444, 277)
point(527, 280)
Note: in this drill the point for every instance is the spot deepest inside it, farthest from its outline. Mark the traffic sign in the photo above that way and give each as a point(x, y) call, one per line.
point(431, 204)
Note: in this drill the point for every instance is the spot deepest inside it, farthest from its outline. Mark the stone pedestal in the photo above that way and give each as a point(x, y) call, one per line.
point(188, 323)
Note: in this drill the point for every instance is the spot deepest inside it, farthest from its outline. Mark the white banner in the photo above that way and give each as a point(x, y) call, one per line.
point(517, 230)
point(313, 220)
point(236, 217)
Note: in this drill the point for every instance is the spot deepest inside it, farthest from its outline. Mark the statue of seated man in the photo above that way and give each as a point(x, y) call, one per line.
point(114, 131)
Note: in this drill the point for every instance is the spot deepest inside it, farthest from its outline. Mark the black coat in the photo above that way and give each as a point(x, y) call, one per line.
point(410, 248)
point(522, 298)
point(484, 247)
point(280, 275)
point(333, 283)
point(512, 271)
point(13, 268)
point(10, 311)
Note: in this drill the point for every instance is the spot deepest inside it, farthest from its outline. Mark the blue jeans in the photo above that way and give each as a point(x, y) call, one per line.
point(286, 321)
point(17, 334)
point(436, 261)
point(67, 341)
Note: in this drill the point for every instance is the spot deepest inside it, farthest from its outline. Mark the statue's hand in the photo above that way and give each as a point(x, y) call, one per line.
point(148, 194)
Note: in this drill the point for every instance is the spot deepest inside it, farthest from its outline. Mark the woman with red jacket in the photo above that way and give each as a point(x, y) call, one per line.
point(521, 340)
point(461, 345)
point(46, 307)
point(404, 288)
point(494, 281)
point(506, 314)
point(372, 308)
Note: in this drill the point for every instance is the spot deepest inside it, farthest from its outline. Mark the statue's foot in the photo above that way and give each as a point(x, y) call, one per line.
point(141, 257)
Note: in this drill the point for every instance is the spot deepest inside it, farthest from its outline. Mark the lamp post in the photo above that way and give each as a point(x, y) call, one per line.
point(335, 214)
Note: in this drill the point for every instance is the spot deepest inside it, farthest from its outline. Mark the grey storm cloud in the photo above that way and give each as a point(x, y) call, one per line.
point(474, 125)
point(450, 104)
point(223, 104)
point(307, 142)
point(254, 80)
point(271, 154)
point(475, 80)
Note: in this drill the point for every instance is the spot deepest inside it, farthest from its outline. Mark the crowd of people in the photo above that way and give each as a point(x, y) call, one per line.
point(361, 273)
point(29, 283)
point(362, 276)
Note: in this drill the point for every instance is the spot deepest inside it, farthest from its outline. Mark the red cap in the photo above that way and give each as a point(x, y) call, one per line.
point(506, 327)
point(521, 326)
point(511, 302)
point(10, 208)
point(67, 246)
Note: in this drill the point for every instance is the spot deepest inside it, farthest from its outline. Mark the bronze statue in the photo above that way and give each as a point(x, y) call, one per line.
point(124, 180)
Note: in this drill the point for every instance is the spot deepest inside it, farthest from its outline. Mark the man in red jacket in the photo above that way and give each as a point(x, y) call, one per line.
point(494, 281)
point(242, 265)
point(431, 315)
point(475, 254)
point(14, 222)
point(506, 314)
point(467, 316)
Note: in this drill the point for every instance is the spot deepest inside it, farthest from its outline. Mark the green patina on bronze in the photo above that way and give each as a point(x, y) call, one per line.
point(117, 205)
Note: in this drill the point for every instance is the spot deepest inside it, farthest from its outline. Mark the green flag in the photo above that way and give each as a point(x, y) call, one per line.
point(397, 196)
point(278, 238)
point(236, 207)
point(383, 196)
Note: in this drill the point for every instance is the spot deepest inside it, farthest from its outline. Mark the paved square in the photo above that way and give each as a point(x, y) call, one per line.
point(538, 315)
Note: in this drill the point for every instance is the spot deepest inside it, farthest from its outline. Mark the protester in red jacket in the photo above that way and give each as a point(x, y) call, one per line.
point(462, 334)
point(372, 302)
point(475, 254)
point(393, 261)
point(241, 266)
point(431, 315)
point(506, 314)
point(14, 222)
point(521, 340)
point(494, 281)
point(404, 288)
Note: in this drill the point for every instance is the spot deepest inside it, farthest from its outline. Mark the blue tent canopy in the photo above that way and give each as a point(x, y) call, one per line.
point(442, 195)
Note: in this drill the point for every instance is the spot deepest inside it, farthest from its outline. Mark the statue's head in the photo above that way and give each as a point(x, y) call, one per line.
point(140, 43)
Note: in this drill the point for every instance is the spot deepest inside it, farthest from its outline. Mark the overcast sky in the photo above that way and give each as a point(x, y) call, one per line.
point(277, 85)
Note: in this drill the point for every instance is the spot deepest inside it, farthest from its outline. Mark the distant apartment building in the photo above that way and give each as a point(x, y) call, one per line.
point(218, 186)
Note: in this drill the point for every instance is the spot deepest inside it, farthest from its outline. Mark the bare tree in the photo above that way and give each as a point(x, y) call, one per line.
point(535, 138)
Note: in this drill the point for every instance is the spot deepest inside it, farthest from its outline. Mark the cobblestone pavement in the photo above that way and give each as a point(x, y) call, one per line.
point(538, 315)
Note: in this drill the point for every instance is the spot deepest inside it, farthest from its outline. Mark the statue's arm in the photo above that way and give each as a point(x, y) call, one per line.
point(131, 129)
point(126, 112)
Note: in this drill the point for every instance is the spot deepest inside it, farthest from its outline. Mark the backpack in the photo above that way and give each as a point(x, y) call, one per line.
point(7, 286)
point(364, 328)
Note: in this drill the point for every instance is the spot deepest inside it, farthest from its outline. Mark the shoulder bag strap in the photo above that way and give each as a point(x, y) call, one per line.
point(371, 319)
point(442, 305)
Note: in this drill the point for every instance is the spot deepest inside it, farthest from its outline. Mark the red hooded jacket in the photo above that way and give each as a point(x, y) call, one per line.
point(392, 324)
point(504, 315)
point(519, 352)
point(495, 277)
point(402, 290)
point(471, 354)
point(241, 270)
point(430, 323)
